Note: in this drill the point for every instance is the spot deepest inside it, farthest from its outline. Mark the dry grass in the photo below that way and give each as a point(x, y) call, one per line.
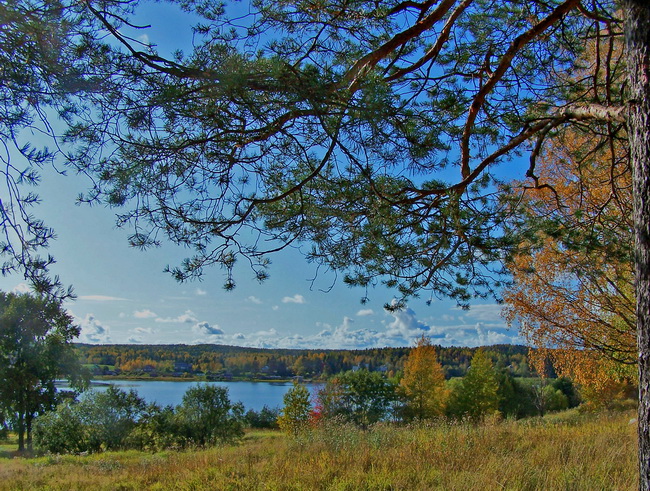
point(570, 452)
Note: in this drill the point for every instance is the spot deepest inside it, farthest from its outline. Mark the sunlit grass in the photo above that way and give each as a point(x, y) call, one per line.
point(568, 451)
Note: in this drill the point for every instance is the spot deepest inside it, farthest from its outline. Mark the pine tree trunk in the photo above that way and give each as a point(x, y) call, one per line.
point(637, 38)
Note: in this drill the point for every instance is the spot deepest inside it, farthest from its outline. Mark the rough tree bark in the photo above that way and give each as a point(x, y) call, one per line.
point(637, 39)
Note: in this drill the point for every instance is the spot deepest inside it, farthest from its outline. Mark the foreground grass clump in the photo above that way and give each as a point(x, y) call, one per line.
point(570, 452)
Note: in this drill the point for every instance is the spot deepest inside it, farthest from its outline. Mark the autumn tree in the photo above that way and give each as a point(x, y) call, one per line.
point(572, 294)
point(36, 336)
point(423, 382)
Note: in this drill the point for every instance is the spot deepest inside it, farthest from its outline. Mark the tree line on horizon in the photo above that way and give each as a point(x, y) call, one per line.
point(219, 361)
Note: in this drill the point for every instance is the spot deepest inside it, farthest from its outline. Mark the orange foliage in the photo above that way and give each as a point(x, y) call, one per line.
point(572, 291)
point(424, 381)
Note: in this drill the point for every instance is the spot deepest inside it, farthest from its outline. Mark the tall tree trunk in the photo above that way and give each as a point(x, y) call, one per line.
point(28, 430)
point(21, 431)
point(637, 40)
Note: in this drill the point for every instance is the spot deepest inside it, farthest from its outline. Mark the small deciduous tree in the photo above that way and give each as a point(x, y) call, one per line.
point(110, 416)
point(360, 396)
point(266, 417)
point(296, 412)
point(477, 395)
point(206, 416)
point(36, 349)
point(423, 382)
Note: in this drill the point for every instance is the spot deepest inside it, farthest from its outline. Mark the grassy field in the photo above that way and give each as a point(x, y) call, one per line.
point(567, 451)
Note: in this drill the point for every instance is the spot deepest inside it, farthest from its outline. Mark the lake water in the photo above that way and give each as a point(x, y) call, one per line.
point(254, 395)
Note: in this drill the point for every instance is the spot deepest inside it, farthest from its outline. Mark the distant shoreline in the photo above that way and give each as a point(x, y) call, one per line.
point(108, 378)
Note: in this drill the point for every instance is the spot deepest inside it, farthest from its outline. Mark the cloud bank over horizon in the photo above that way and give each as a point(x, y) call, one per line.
point(367, 329)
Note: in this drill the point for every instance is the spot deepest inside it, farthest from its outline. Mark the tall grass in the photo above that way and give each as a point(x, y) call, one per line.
point(572, 452)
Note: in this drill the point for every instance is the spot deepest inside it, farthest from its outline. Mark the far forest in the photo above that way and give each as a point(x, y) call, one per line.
point(218, 362)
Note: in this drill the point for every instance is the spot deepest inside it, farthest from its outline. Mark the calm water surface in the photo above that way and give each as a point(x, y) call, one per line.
point(254, 395)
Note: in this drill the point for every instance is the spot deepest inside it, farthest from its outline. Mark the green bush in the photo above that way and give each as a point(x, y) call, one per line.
point(110, 416)
point(100, 421)
point(206, 416)
point(361, 397)
point(61, 430)
point(264, 418)
point(157, 429)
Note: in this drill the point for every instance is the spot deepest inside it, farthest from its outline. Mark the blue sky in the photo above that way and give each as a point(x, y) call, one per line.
point(124, 296)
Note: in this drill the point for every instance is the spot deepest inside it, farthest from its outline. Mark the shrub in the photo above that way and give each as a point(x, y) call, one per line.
point(110, 416)
point(100, 421)
point(361, 397)
point(157, 429)
point(115, 420)
point(264, 418)
point(61, 430)
point(206, 416)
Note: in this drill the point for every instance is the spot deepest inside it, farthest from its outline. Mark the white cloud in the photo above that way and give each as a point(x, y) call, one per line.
point(365, 312)
point(405, 326)
point(21, 288)
point(200, 292)
point(188, 317)
point(295, 299)
point(254, 299)
point(144, 39)
point(484, 313)
point(144, 314)
point(495, 335)
point(345, 336)
point(134, 340)
point(267, 334)
point(144, 330)
point(401, 328)
point(275, 307)
point(207, 329)
point(93, 331)
point(101, 298)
